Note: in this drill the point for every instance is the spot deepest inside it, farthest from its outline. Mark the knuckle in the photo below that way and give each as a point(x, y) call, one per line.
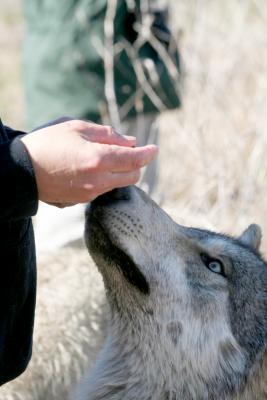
point(109, 130)
point(97, 156)
point(136, 162)
point(97, 161)
point(114, 151)
point(71, 124)
point(77, 125)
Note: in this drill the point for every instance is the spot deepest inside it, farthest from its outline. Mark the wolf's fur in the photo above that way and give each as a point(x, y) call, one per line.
point(69, 325)
point(177, 329)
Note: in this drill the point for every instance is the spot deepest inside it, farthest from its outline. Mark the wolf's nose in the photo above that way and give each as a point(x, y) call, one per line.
point(120, 194)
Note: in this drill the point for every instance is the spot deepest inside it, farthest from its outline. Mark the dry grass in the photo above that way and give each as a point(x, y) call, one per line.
point(11, 34)
point(213, 151)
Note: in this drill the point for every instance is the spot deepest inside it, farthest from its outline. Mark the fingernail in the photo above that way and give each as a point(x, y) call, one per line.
point(153, 147)
point(151, 155)
point(129, 137)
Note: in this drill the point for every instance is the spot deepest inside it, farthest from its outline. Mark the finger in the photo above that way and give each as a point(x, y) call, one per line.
point(118, 180)
point(108, 135)
point(61, 205)
point(109, 182)
point(123, 159)
point(105, 135)
point(121, 179)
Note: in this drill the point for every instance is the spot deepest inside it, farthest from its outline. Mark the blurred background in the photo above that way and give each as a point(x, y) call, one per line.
point(213, 164)
point(11, 37)
point(213, 149)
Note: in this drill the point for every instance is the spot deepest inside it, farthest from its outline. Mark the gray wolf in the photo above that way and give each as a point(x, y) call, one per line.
point(188, 307)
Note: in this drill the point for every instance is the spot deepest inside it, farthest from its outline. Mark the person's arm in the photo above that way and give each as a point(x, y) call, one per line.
point(68, 163)
point(18, 194)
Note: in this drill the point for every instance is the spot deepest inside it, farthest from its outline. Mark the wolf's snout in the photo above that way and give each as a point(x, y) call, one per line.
point(120, 194)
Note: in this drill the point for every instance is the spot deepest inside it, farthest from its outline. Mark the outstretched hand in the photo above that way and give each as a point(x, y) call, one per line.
point(76, 161)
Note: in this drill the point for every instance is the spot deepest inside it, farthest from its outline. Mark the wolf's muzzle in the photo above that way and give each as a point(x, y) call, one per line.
point(120, 194)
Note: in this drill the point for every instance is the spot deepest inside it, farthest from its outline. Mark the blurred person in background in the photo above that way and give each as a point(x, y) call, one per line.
point(61, 164)
point(107, 61)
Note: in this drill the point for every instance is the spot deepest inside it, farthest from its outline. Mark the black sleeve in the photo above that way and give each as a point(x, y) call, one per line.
point(18, 201)
point(18, 194)
point(11, 133)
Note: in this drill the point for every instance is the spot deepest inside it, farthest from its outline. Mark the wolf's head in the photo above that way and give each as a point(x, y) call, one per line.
point(192, 303)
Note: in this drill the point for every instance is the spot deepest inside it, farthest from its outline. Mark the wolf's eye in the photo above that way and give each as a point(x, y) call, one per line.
point(213, 265)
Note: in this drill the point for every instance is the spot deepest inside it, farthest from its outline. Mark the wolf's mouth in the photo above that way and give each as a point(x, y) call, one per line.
point(99, 241)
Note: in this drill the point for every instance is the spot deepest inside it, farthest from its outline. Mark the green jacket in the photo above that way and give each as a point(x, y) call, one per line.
point(64, 68)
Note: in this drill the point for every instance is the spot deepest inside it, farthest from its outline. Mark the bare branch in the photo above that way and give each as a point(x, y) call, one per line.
point(109, 63)
point(142, 80)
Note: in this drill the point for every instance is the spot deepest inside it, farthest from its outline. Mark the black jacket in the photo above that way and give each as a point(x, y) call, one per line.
point(18, 202)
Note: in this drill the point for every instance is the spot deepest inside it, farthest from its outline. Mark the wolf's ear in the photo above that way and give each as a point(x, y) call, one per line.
point(252, 236)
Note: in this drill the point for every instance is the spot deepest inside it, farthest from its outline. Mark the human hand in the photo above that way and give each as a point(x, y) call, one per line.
point(76, 161)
